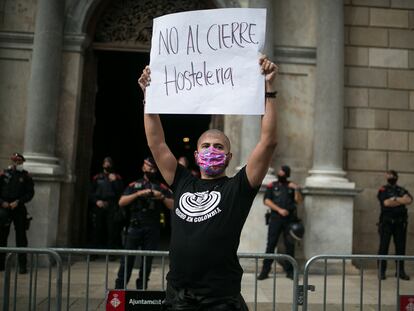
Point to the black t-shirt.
(206, 224)
(145, 211)
(389, 191)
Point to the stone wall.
(379, 107)
(16, 27)
(17, 15)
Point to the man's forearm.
(298, 196)
(128, 199)
(269, 124)
(392, 202)
(261, 156)
(406, 199)
(153, 130)
(269, 203)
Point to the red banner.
(115, 300)
(132, 300)
(406, 302)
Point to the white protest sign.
(206, 62)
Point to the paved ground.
(102, 277)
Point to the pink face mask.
(211, 161)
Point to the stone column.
(329, 195)
(41, 119)
(253, 238)
(250, 130)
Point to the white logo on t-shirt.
(199, 206)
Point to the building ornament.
(130, 21)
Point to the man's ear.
(228, 158)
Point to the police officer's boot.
(289, 274)
(22, 269)
(264, 274)
(402, 275)
(22, 258)
(382, 267)
(119, 284)
(140, 285)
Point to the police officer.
(107, 224)
(393, 221)
(281, 197)
(16, 189)
(143, 200)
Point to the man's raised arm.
(259, 160)
(162, 154)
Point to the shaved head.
(216, 134)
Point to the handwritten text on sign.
(206, 62)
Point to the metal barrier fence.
(33, 253)
(338, 263)
(77, 296)
(81, 284)
(88, 255)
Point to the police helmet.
(296, 230)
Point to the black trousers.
(107, 230)
(192, 300)
(18, 218)
(278, 226)
(395, 227)
(146, 238)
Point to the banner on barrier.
(406, 302)
(131, 300)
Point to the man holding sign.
(205, 62)
(209, 213)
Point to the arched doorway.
(111, 116)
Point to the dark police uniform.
(106, 221)
(143, 229)
(284, 197)
(392, 223)
(15, 185)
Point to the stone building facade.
(379, 98)
(346, 102)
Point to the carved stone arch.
(127, 24)
(80, 12)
